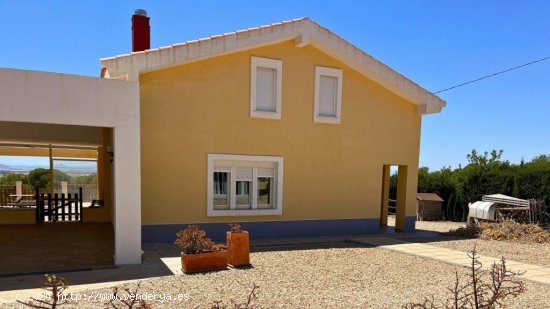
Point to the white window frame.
(338, 73)
(254, 211)
(230, 172)
(271, 64)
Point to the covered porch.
(66, 118)
(69, 180)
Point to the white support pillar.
(385, 195)
(127, 195)
(64, 187)
(19, 188)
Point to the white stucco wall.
(52, 98)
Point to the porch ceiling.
(34, 151)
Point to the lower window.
(244, 185)
(221, 190)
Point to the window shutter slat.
(328, 90)
(222, 169)
(243, 173)
(266, 172)
(266, 85)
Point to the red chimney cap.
(140, 12)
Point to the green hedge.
(485, 173)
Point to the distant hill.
(76, 169)
(71, 169)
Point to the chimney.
(141, 39)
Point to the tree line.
(485, 173)
(39, 178)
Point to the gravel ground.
(436, 226)
(531, 253)
(340, 276)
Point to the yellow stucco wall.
(330, 171)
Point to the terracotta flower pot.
(205, 261)
(238, 249)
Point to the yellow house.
(286, 128)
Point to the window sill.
(266, 115)
(325, 119)
(244, 212)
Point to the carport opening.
(55, 197)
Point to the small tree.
(128, 298)
(39, 178)
(248, 304)
(55, 297)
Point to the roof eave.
(304, 31)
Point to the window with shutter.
(265, 188)
(221, 188)
(265, 88)
(266, 84)
(240, 185)
(328, 86)
(243, 185)
(328, 95)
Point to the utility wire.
(491, 75)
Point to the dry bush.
(55, 286)
(469, 231)
(128, 298)
(248, 304)
(477, 292)
(510, 230)
(193, 240)
(235, 227)
(507, 230)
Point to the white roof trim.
(304, 31)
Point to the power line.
(491, 75)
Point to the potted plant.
(238, 246)
(200, 253)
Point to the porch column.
(127, 194)
(385, 195)
(401, 198)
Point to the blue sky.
(435, 43)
